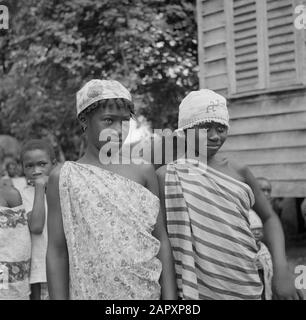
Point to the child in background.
(11, 172)
(13, 178)
(265, 186)
(15, 247)
(264, 259)
(38, 159)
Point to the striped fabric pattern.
(208, 225)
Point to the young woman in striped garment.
(207, 200)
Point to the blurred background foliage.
(53, 47)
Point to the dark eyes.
(41, 164)
(108, 121)
(220, 128)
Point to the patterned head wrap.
(96, 90)
(202, 106)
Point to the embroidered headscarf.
(96, 90)
(202, 106)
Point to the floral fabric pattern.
(108, 220)
(11, 218)
(17, 271)
(15, 254)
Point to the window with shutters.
(264, 51)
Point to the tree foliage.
(53, 47)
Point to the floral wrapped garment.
(108, 220)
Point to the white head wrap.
(202, 106)
(255, 221)
(96, 90)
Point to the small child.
(38, 159)
(15, 247)
(264, 259)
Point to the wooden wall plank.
(269, 156)
(284, 122)
(296, 172)
(289, 189)
(266, 141)
(279, 105)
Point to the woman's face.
(216, 136)
(108, 124)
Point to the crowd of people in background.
(198, 229)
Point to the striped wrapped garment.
(208, 224)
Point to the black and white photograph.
(152, 151)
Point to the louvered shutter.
(264, 50)
(245, 38)
(281, 43)
(212, 45)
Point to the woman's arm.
(168, 276)
(37, 217)
(57, 253)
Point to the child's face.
(266, 188)
(12, 169)
(258, 233)
(109, 121)
(36, 163)
(216, 136)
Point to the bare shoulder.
(11, 195)
(8, 190)
(241, 169)
(4, 181)
(55, 173)
(161, 172)
(147, 170)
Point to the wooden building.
(251, 52)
